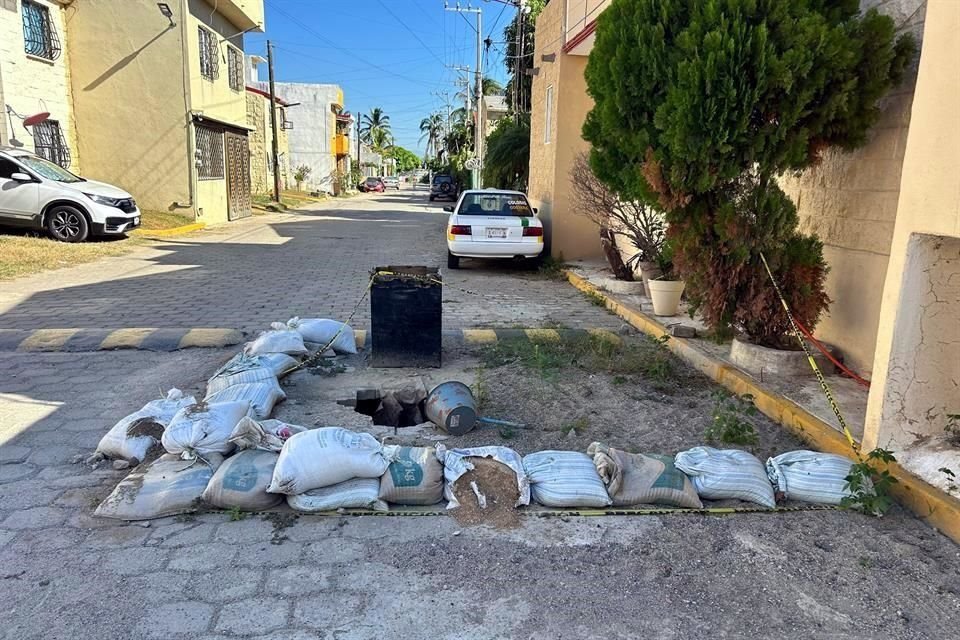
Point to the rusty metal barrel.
(451, 407)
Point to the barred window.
(39, 37)
(235, 67)
(48, 142)
(209, 152)
(209, 54)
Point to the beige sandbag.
(414, 477)
(635, 478)
(241, 482)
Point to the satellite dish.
(36, 118)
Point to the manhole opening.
(402, 408)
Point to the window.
(8, 168)
(48, 142)
(49, 170)
(499, 204)
(209, 152)
(209, 54)
(548, 119)
(39, 37)
(235, 68)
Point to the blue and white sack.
(262, 396)
(811, 476)
(456, 462)
(240, 369)
(358, 493)
(564, 479)
(724, 474)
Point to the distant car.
(443, 186)
(492, 223)
(39, 194)
(391, 182)
(372, 185)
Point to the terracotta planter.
(666, 296)
(648, 271)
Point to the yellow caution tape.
(619, 511)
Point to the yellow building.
(160, 102)
(888, 214)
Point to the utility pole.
(273, 125)
(359, 166)
(477, 132)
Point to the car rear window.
(439, 179)
(495, 204)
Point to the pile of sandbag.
(132, 438)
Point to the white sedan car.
(491, 223)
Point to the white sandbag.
(322, 331)
(636, 478)
(564, 479)
(241, 482)
(283, 340)
(266, 435)
(262, 396)
(166, 487)
(414, 477)
(726, 474)
(359, 493)
(280, 363)
(133, 436)
(327, 456)
(239, 370)
(202, 429)
(456, 463)
(811, 476)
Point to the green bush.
(700, 104)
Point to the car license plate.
(496, 232)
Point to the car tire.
(534, 263)
(453, 262)
(67, 224)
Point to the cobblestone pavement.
(310, 262)
(66, 575)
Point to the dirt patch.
(496, 504)
(145, 427)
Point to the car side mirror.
(448, 208)
(535, 211)
(21, 177)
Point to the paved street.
(310, 262)
(66, 575)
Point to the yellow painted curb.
(543, 334)
(937, 508)
(175, 231)
(479, 336)
(126, 338)
(46, 339)
(210, 338)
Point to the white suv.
(39, 194)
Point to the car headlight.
(104, 200)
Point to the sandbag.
(636, 478)
(327, 456)
(277, 340)
(166, 487)
(564, 479)
(359, 493)
(726, 474)
(280, 363)
(241, 482)
(266, 435)
(414, 477)
(133, 436)
(322, 331)
(202, 429)
(456, 462)
(261, 396)
(239, 370)
(811, 476)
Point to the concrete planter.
(666, 296)
(623, 287)
(764, 360)
(648, 271)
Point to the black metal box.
(406, 314)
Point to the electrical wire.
(409, 30)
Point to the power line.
(410, 31)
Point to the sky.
(392, 54)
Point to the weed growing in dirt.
(619, 380)
(731, 423)
(552, 269)
(595, 298)
(236, 515)
(873, 501)
(658, 367)
(578, 426)
(953, 428)
(479, 389)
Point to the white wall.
(313, 129)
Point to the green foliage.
(301, 174)
(553, 269)
(869, 485)
(700, 104)
(236, 514)
(375, 130)
(731, 419)
(659, 367)
(507, 160)
(406, 160)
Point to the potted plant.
(665, 290)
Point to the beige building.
(888, 213)
(261, 142)
(494, 109)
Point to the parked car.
(493, 223)
(372, 185)
(391, 182)
(443, 186)
(38, 194)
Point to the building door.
(238, 175)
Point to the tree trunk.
(609, 243)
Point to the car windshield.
(495, 204)
(373, 180)
(48, 169)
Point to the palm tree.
(375, 129)
(490, 88)
(432, 129)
